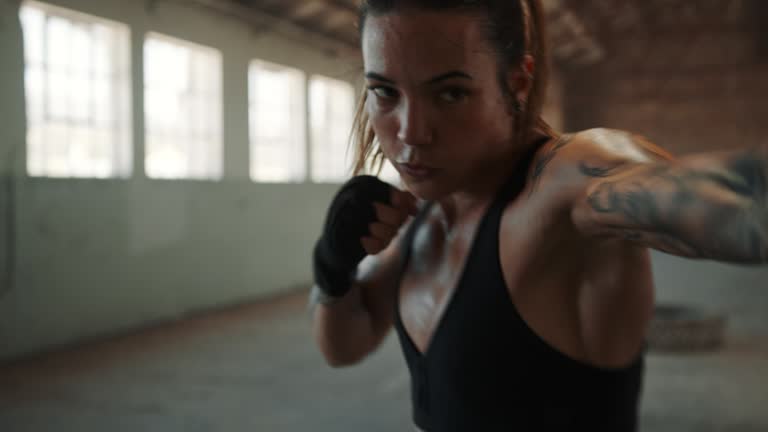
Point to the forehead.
(417, 44)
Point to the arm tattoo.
(596, 171)
(749, 177)
(541, 163)
(720, 212)
(545, 159)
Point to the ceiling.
(582, 32)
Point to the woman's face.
(434, 99)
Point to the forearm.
(704, 206)
(343, 329)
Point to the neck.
(478, 195)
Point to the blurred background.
(166, 165)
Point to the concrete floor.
(255, 368)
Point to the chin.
(428, 190)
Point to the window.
(277, 117)
(77, 83)
(182, 109)
(332, 106)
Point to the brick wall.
(705, 93)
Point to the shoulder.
(591, 153)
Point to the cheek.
(493, 122)
(385, 129)
(503, 116)
(472, 129)
(482, 115)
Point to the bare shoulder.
(618, 145)
(590, 153)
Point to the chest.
(461, 275)
(532, 274)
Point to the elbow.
(339, 353)
(338, 363)
(341, 360)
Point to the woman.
(522, 289)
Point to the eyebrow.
(449, 75)
(433, 80)
(377, 77)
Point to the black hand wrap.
(339, 251)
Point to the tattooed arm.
(709, 206)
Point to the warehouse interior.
(142, 288)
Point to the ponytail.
(536, 46)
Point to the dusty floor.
(255, 368)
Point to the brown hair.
(515, 28)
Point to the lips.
(417, 171)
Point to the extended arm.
(709, 206)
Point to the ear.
(520, 79)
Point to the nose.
(415, 129)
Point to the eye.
(383, 92)
(453, 95)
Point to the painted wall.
(90, 258)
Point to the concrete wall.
(712, 97)
(98, 257)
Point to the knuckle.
(377, 208)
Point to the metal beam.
(267, 21)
